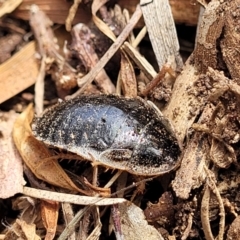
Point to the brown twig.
(165, 69)
(111, 51)
(82, 44)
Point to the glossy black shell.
(120, 133)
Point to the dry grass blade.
(97, 4)
(205, 214)
(211, 183)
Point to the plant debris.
(127, 56)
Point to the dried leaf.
(128, 78)
(49, 211)
(133, 224)
(11, 170)
(97, 4)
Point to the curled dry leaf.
(134, 225)
(49, 211)
(22, 230)
(11, 170)
(99, 23)
(71, 14)
(37, 156)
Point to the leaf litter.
(200, 101)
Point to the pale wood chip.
(19, 72)
(161, 29)
(70, 198)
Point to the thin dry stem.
(39, 88)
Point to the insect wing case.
(120, 133)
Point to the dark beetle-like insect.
(117, 132)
